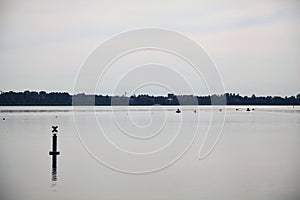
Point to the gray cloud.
(254, 44)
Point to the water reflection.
(54, 170)
(54, 174)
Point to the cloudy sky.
(255, 45)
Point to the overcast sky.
(254, 44)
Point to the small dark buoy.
(220, 110)
(55, 116)
(248, 109)
(3, 118)
(253, 109)
(236, 109)
(195, 111)
(178, 111)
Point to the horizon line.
(148, 94)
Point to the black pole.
(54, 161)
(54, 153)
(54, 143)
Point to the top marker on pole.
(54, 129)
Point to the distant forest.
(31, 98)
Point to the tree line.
(33, 98)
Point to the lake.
(151, 152)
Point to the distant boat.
(178, 111)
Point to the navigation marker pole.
(54, 153)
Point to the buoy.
(248, 109)
(3, 118)
(178, 111)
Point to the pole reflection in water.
(54, 174)
(54, 153)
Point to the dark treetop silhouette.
(30, 98)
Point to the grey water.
(151, 152)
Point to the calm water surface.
(106, 153)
